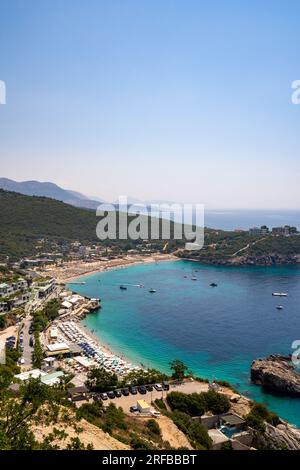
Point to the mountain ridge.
(50, 190)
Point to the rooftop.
(217, 436)
(143, 404)
(231, 419)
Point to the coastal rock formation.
(247, 260)
(264, 259)
(282, 437)
(276, 374)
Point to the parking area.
(131, 400)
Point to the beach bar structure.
(78, 393)
(143, 407)
(63, 349)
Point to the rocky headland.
(277, 375)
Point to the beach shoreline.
(83, 269)
(73, 270)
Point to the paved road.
(27, 353)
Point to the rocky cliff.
(276, 374)
(282, 437)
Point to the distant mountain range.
(50, 190)
(74, 198)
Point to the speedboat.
(194, 278)
(279, 307)
(152, 291)
(279, 294)
(123, 287)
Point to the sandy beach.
(71, 270)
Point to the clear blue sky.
(179, 100)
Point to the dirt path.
(172, 434)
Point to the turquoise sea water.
(217, 331)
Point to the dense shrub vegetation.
(258, 415)
(195, 404)
(41, 318)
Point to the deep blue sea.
(244, 219)
(217, 331)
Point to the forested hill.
(25, 219)
(240, 248)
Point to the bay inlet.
(216, 331)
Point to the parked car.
(133, 409)
(97, 398)
(11, 338)
(111, 394)
(30, 331)
(125, 392)
(118, 393)
(149, 388)
(142, 389)
(166, 385)
(158, 387)
(103, 396)
(133, 390)
(31, 341)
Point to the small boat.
(194, 278)
(213, 284)
(185, 276)
(279, 307)
(123, 287)
(279, 294)
(152, 291)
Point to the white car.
(22, 360)
(158, 387)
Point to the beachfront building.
(78, 393)
(3, 289)
(62, 349)
(285, 231)
(47, 379)
(46, 289)
(259, 231)
(143, 407)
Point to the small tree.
(178, 368)
(153, 427)
(101, 380)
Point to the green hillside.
(24, 219)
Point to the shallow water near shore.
(216, 331)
